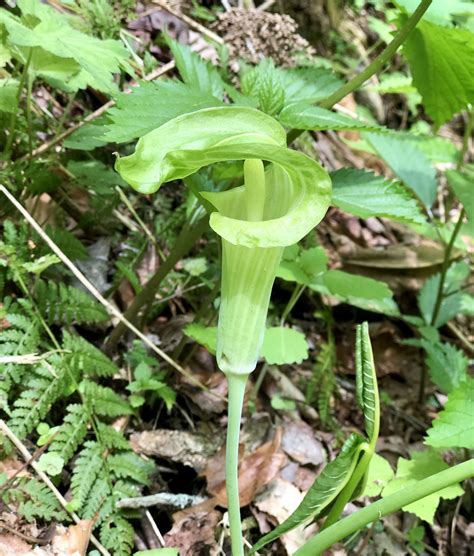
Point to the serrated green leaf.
(454, 426)
(49, 30)
(195, 71)
(264, 84)
(447, 365)
(409, 472)
(442, 64)
(366, 382)
(283, 346)
(366, 195)
(323, 492)
(304, 267)
(151, 105)
(305, 116)
(409, 163)
(309, 84)
(379, 474)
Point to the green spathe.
(276, 207)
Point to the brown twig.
(189, 21)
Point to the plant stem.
(237, 385)
(440, 293)
(14, 116)
(445, 267)
(184, 243)
(373, 67)
(325, 539)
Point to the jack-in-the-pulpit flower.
(275, 207)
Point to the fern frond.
(67, 242)
(34, 500)
(129, 465)
(103, 400)
(71, 433)
(62, 304)
(98, 495)
(87, 468)
(110, 438)
(40, 392)
(86, 359)
(116, 534)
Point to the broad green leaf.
(195, 71)
(304, 267)
(300, 188)
(379, 474)
(283, 346)
(151, 105)
(313, 261)
(366, 383)
(467, 304)
(359, 291)
(5, 55)
(280, 346)
(442, 64)
(409, 472)
(8, 95)
(305, 116)
(204, 335)
(89, 136)
(463, 185)
(282, 404)
(345, 285)
(365, 194)
(409, 163)
(454, 426)
(440, 11)
(49, 30)
(394, 82)
(324, 490)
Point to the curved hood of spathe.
(298, 189)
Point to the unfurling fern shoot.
(275, 207)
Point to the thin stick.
(97, 113)
(94, 291)
(189, 21)
(154, 526)
(28, 457)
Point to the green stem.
(445, 267)
(373, 67)
(14, 116)
(237, 385)
(358, 520)
(297, 293)
(184, 243)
